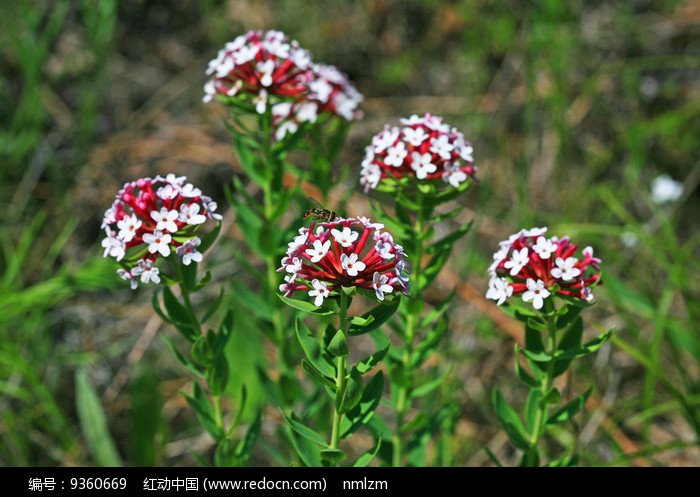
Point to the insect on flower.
(319, 213)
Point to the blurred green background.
(573, 108)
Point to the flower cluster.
(327, 255)
(534, 266)
(424, 148)
(160, 214)
(271, 70)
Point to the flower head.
(424, 148)
(268, 70)
(536, 267)
(345, 252)
(155, 217)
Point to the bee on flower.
(156, 218)
(536, 267)
(424, 148)
(344, 252)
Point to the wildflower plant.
(550, 284)
(155, 219)
(423, 164)
(280, 101)
(332, 262)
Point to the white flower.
(442, 147)
(385, 139)
(370, 176)
(534, 232)
(414, 136)
(126, 275)
(422, 164)
(565, 269)
(535, 292)
(190, 191)
(211, 207)
(351, 265)
(320, 89)
(167, 192)
(665, 189)
(367, 222)
(147, 270)
(518, 260)
(320, 291)
(127, 227)
(380, 285)
(499, 289)
(285, 128)
(294, 267)
(307, 112)
(319, 250)
(544, 247)
(113, 246)
(266, 68)
(188, 251)
(396, 155)
(466, 152)
(453, 174)
(190, 214)
(384, 250)
(345, 238)
(260, 102)
(165, 219)
(158, 242)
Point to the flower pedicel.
(531, 265)
(423, 148)
(161, 215)
(327, 255)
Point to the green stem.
(543, 408)
(403, 403)
(340, 375)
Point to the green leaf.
(305, 306)
(220, 339)
(509, 421)
(333, 456)
(181, 358)
(93, 422)
(566, 318)
(312, 371)
(249, 162)
(199, 403)
(376, 317)
(218, 374)
(572, 336)
(531, 458)
(372, 361)
(493, 457)
(213, 307)
(352, 393)
(304, 430)
(447, 241)
(203, 282)
(522, 374)
(225, 455)
(429, 386)
(552, 397)
(245, 446)
(202, 352)
(434, 266)
(586, 348)
(366, 458)
(339, 345)
(532, 407)
(568, 411)
(313, 351)
(179, 315)
(426, 348)
(360, 415)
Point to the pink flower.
(530, 265)
(345, 252)
(154, 217)
(423, 148)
